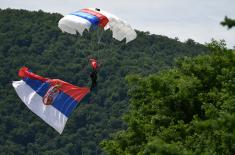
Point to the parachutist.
(93, 74)
(97, 9)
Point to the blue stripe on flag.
(63, 102)
(40, 87)
(91, 18)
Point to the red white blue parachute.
(91, 17)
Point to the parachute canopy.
(93, 17)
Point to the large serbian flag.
(51, 99)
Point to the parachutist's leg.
(91, 87)
(93, 84)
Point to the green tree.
(186, 110)
(228, 22)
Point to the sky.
(195, 19)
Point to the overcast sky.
(195, 19)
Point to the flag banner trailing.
(53, 100)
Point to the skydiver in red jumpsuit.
(95, 66)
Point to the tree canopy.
(189, 109)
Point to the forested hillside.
(33, 39)
(189, 109)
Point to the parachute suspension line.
(92, 47)
(122, 44)
(112, 44)
(96, 42)
(77, 36)
(99, 34)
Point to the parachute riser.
(95, 45)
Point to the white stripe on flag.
(34, 102)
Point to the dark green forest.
(173, 104)
(189, 109)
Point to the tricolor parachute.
(87, 18)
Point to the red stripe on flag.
(77, 93)
(24, 73)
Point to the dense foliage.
(228, 22)
(189, 109)
(34, 40)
